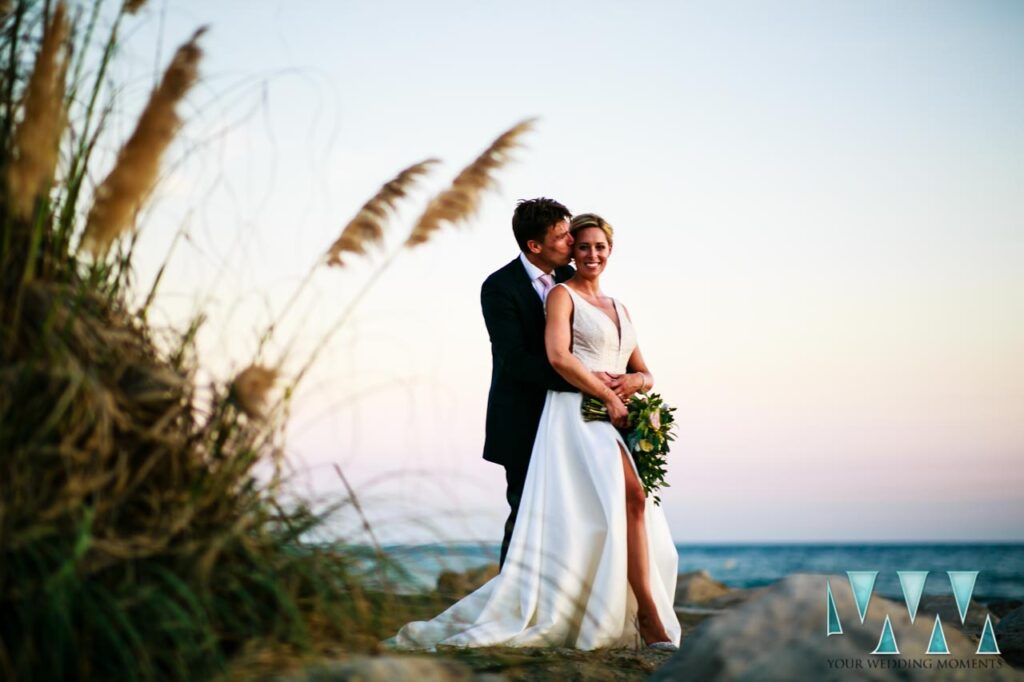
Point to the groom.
(512, 299)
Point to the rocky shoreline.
(775, 632)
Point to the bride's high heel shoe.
(659, 645)
(663, 646)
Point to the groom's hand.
(617, 412)
(626, 385)
(605, 378)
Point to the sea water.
(1000, 566)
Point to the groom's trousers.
(515, 479)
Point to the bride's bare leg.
(638, 567)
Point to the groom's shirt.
(535, 274)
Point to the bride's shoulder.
(560, 291)
(560, 296)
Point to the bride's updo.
(585, 220)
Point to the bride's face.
(590, 250)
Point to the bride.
(591, 561)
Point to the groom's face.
(556, 249)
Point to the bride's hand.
(617, 412)
(626, 385)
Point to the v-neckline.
(617, 322)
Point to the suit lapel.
(525, 290)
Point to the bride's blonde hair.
(585, 220)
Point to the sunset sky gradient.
(819, 236)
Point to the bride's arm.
(558, 340)
(508, 342)
(639, 378)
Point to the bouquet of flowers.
(648, 435)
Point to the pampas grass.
(37, 136)
(137, 538)
(367, 227)
(461, 200)
(251, 387)
(455, 205)
(121, 194)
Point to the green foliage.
(136, 539)
(650, 430)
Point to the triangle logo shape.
(963, 588)
(887, 640)
(988, 644)
(862, 583)
(937, 643)
(912, 585)
(833, 627)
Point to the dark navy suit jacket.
(520, 372)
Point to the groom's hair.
(533, 217)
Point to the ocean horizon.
(755, 564)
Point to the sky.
(819, 236)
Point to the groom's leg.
(515, 477)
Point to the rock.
(689, 618)
(698, 586)
(1010, 636)
(734, 598)
(458, 585)
(945, 606)
(1001, 607)
(780, 635)
(389, 668)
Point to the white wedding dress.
(564, 579)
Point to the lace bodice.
(595, 340)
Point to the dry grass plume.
(367, 227)
(251, 387)
(133, 6)
(139, 537)
(122, 193)
(460, 202)
(37, 137)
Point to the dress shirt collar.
(532, 270)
